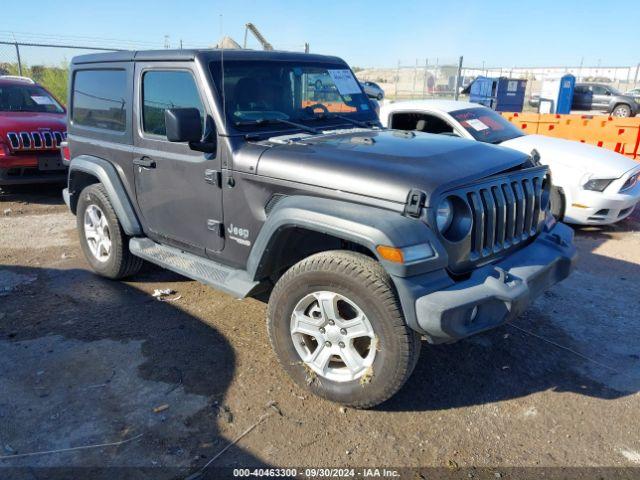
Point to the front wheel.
(621, 110)
(336, 326)
(103, 242)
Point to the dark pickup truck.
(226, 167)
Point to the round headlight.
(444, 215)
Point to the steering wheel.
(311, 109)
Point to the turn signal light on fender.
(414, 253)
(391, 254)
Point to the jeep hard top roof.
(202, 54)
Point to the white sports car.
(594, 186)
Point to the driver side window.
(167, 89)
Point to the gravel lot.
(87, 361)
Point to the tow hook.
(558, 239)
(503, 276)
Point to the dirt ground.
(86, 361)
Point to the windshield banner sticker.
(477, 125)
(344, 81)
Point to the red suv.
(32, 127)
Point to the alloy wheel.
(96, 232)
(333, 336)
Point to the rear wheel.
(335, 323)
(621, 110)
(103, 242)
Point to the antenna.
(224, 97)
(222, 89)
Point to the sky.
(368, 33)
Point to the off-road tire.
(557, 203)
(121, 263)
(363, 280)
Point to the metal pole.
(424, 82)
(415, 78)
(635, 79)
(397, 79)
(19, 61)
(59, 45)
(456, 94)
(306, 47)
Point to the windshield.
(27, 98)
(260, 94)
(485, 125)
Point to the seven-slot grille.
(504, 213)
(36, 140)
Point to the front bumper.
(596, 208)
(499, 292)
(26, 169)
(26, 176)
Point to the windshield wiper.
(266, 121)
(357, 123)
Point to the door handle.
(145, 162)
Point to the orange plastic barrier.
(621, 135)
(333, 107)
(525, 121)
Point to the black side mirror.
(185, 125)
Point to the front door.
(581, 98)
(176, 187)
(601, 97)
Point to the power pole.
(166, 41)
(20, 61)
(456, 94)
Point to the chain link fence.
(48, 63)
(45, 64)
(445, 78)
(430, 78)
(436, 78)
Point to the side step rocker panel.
(230, 280)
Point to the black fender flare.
(364, 225)
(367, 226)
(105, 172)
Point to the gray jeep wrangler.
(230, 168)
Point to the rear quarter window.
(100, 99)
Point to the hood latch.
(415, 202)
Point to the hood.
(386, 164)
(599, 161)
(31, 121)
